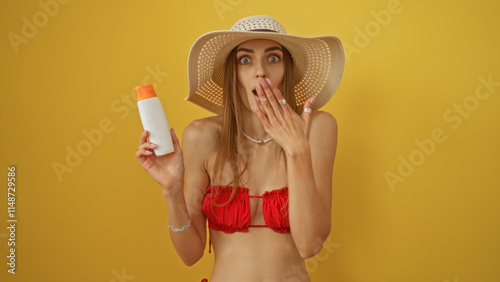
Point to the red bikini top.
(235, 215)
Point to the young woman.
(260, 171)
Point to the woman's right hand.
(167, 170)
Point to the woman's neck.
(252, 126)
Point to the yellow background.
(106, 217)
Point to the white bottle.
(154, 119)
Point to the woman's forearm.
(308, 224)
(187, 243)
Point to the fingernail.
(313, 99)
(254, 104)
(154, 145)
(268, 81)
(259, 87)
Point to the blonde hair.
(229, 146)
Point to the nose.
(260, 70)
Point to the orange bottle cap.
(144, 92)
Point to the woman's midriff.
(257, 255)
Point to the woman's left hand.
(280, 121)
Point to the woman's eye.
(274, 59)
(244, 60)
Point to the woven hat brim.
(318, 65)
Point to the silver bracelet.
(179, 229)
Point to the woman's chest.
(259, 171)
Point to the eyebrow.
(265, 51)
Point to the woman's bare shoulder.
(323, 119)
(205, 130)
(323, 126)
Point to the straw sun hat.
(318, 62)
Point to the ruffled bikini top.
(235, 215)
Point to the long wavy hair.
(229, 147)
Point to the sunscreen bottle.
(154, 119)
